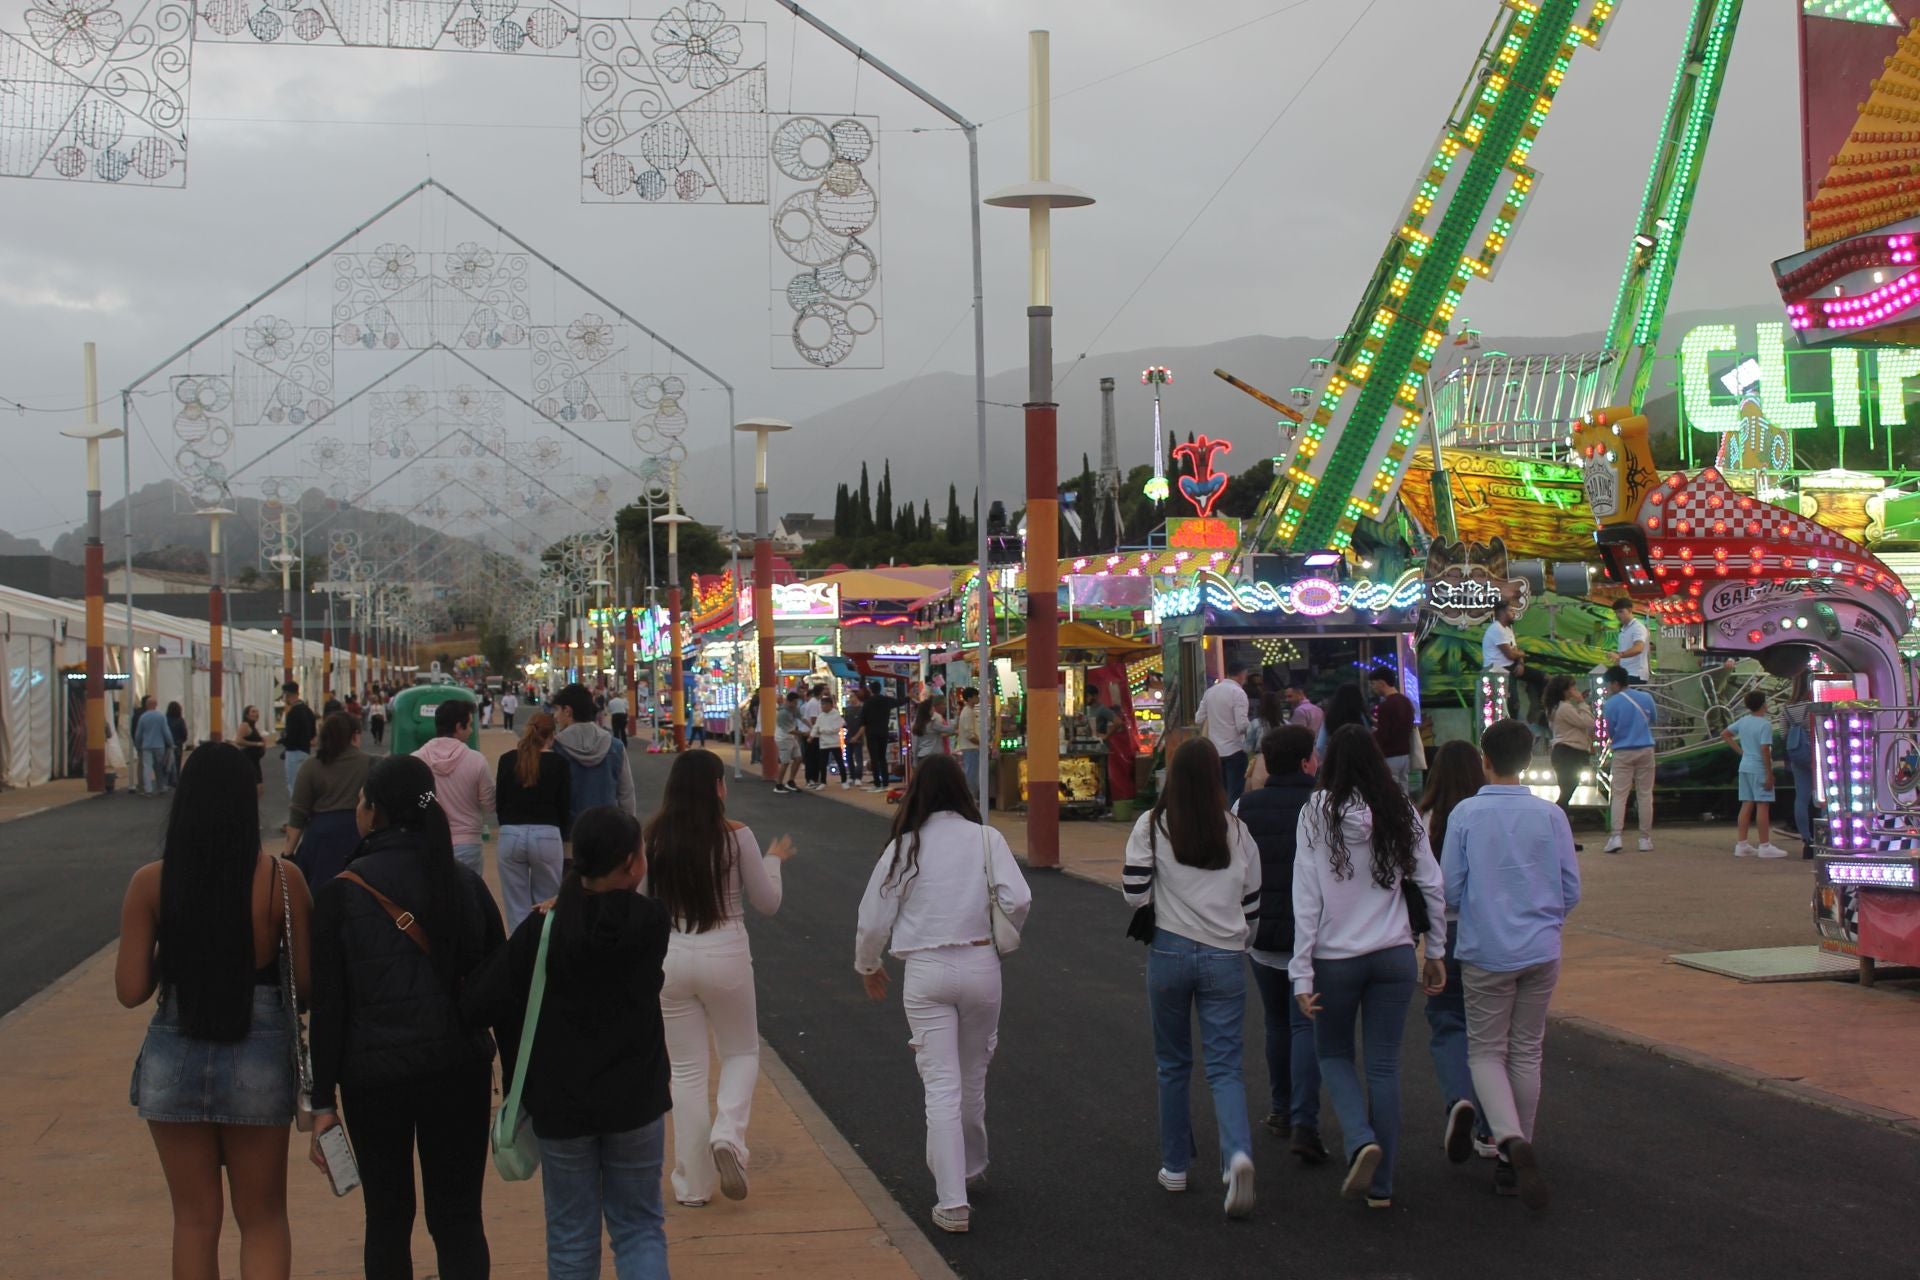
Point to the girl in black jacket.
(387, 1027)
(597, 1085)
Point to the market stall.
(1099, 734)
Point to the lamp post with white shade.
(93, 431)
(763, 586)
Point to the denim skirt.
(180, 1080)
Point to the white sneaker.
(1612, 845)
(1646, 844)
(733, 1174)
(958, 1221)
(1770, 850)
(846, 786)
(1239, 1180)
(1173, 1181)
(1742, 849)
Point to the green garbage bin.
(410, 725)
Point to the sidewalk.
(1833, 1043)
(24, 802)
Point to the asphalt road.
(1658, 1170)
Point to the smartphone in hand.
(343, 1171)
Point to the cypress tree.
(863, 513)
(926, 521)
(840, 510)
(883, 500)
(954, 531)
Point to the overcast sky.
(292, 147)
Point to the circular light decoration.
(1316, 597)
(1156, 488)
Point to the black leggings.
(446, 1116)
(1567, 764)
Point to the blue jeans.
(294, 760)
(530, 862)
(1374, 990)
(1803, 799)
(970, 761)
(1447, 1038)
(154, 758)
(1293, 1073)
(610, 1175)
(470, 857)
(1182, 976)
(1233, 775)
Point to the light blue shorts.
(1755, 787)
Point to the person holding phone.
(1361, 842)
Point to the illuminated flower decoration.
(75, 32)
(393, 266)
(696, 44)
(269, 338)
(470, 266)
(590, 338)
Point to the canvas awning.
(1080, 637)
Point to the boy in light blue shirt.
(1629, 714)
(1751, 737)
(1511, 874)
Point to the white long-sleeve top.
(1223, 715)
(755, 878)
(1338, 919)
(1214, 908)
(944, 902)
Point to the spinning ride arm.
(1457, 224)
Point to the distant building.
(156, 582)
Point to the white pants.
(952, 995)
(709, 983)
(1506, 1034)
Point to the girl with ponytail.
(395, 936)
(597, 1087)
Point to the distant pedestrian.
(966, 731)
(1393, 723)
(1512, 876)
(533, 797)
(928, 902)
(1345, 705)
(154, 742)
(597, 760)
(1223, 716)
(377, 718)
(1302, 711)
(180, 734)
(1633, 650)
(1570, 722)
(1751, 737)
(322, 831)
(1500, 653)
(212, 927)
(788, 725)
(298, 727)
(1629, 714)
(811, 755)
(1272, 814)
(253, 744)
(394, 938)
(509, 705)
(1457, 773)
(827, 729)
(617, 715)
(1269, 713)
(931, 730)
(596, 1090)
(486, 711)
(1798, 720)
(877, 728)
(1360, 843)
(463, 784)
(1200, 869)
(705, 869)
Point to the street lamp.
(1039, 196)
(216, 607)
(93, 431)
(763, 585)
(673, 520)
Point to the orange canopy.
(1080, 637)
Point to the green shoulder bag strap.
(516, 1150)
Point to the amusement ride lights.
(1157, 488)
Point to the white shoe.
(1612, 845)
(733, 1174)
(1742, 849)
(846, 786)
(1173, 1181)
(1239, 1180)
(954, 1220)
(1646, 844)
(1770, 850)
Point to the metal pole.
(216, 606)
(678, 676)
(92, 433)
(733, 506)
(126, 549)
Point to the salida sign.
(1465, 580)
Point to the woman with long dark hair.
(1455, 773)
(1360, 839)
(178, 733)
(533, 798)
(597, 1087)
(931, 729)
(1199, 868)
(322, 831)
(1347, 705)
(1570, 721)
(209, 927)
(394, 936)
(253, 744)
(927, 901)
(703, 867)
(1270, 713)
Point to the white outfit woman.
(938, 924)
(709, 984)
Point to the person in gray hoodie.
(597, 760)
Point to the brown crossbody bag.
(403, 919)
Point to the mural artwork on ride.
(1465, 580)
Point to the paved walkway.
(1831, 1042)
(84, 1195)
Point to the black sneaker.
(1306, 1144)
(1526, 1170)
(1459, 1141)
(1505, 1181)
(1276, 1123)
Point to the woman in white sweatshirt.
(1199, 868)
(701, 866)
(928, 895)
(1360, 846)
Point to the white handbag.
(1006, 936)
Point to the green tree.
(956, 533)
(840, 511)
(863, 506)
(883, 500)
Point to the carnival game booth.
(1303, 624)
(1094, 772)
(1740, 576)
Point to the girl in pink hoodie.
(462, 782)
